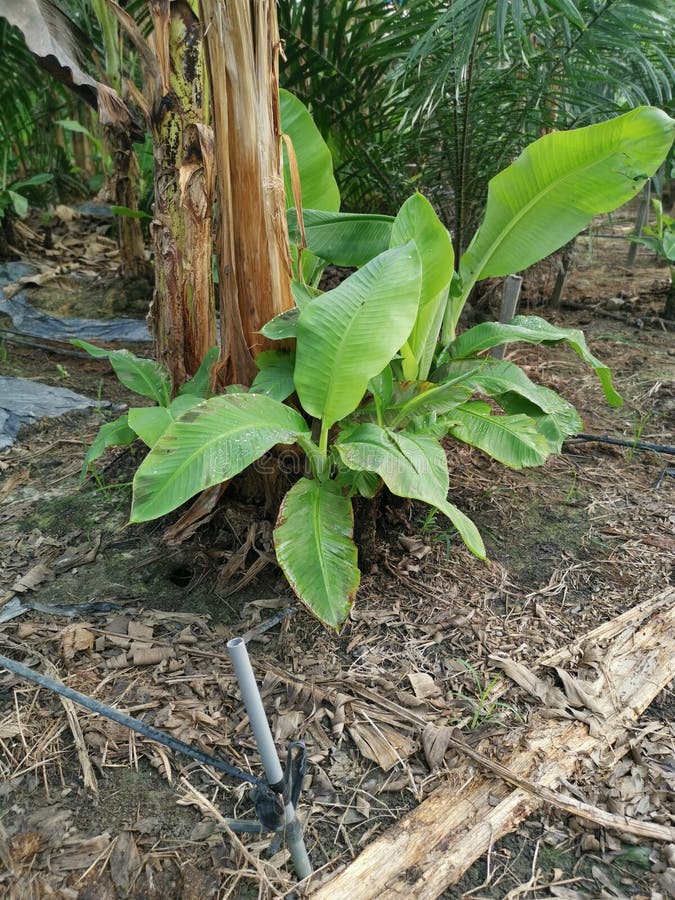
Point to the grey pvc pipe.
(510, 296)
(268, 752)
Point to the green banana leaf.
(315, 163)
(303, 293)
(668, 244)
(417, 221)
(411, 465)
(19, 203)
(367, 484)
(556, 186)
(343, 239)
(513, 440)
(381, 386)
(348, 335)
(532, 330)
(32, 180)
(200, 383)
(207, 445)
(314, 547)
(142, 376)
(415, 399)
(275, 378)
(150, 422)
(555, 427)
(318, 187)
(283, 326)
(500, 378)
(111, 434)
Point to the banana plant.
(377, 376)
(660, 239)
(151, 380)
(12, 197)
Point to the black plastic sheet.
(25, 402)
(33, 322)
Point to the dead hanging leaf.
(423, 685)
(54, 41)
(198, 514)
(76, 638)
(33, 577)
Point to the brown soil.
(572, 544)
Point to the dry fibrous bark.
(254, 263)
(182, 314)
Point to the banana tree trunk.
(669, 308)
(254, 264)
(123, 191)
(182, 314)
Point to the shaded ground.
(572, 544)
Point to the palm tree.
(337, 57)
(443, 95)
(486, 77)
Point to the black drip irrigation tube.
(621, 442)
(275, 797)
